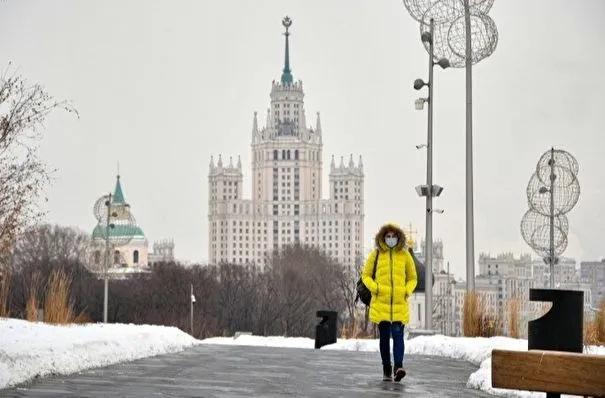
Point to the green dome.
(118, 230)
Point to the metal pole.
(449, 300)
(428, 256)
(106, 282)
(551, 251)
(470, 228)
(191, 305)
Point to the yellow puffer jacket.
(395, 279)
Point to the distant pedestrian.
(394, 282)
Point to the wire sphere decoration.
(122, 226)
(561, 158)
(552, 192)
(446, 11)
(566, 191)
(484, 41)
(100, 209)
(535, 229)
(121, 231)
(449, 36)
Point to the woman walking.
(394, 282)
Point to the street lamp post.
(192, 301)
(429, 190)
(470, 212)
(108, 225)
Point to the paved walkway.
(214, 371)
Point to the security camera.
(439, 211)
(419, 104)
(420, 146)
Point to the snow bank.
(32, 349)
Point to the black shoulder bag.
(363, 292)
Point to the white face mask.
(391, 241)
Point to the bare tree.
(46, 243)
(23, 176)
(348, 286)
(301, 281)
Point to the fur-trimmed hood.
(401, 238)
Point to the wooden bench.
(549, 371)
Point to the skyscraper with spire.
(286, 206)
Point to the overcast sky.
(163, 85)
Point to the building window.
(135, 257)
(275, 154)
(116, 257)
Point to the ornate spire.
(318, 124)
(255, 124)
(286, 76)
(118, 194)
(239, 162)
(268, 119)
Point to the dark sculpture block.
(326, 330)
(561, 328)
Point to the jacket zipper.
(392, 285)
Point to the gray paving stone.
(237, 371)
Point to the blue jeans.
(388, 329)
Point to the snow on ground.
(29, 350)
(475, 350)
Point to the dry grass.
(33, 291)
(513, 309)
(473, 310)
(58, 308)
(5, 283)
(355, 331)
(594, 330)
(600, 322)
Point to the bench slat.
(549, 371)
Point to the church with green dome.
(129, 248)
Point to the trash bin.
(561, 328)
(326, 329)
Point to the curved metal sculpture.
(115, 222)
(552, 192)
(450, 28)
(535, 229)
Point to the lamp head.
(418, 84)
(444, 63)
(426, 37)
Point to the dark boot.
(399, 372)
(387, 372)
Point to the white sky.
(163, 85)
